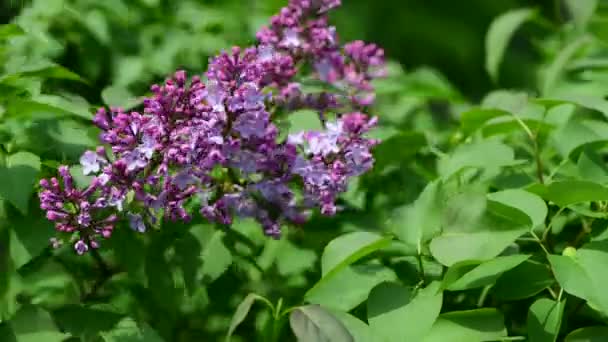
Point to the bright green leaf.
(556, 68)
(471, 326)
(565, 193)
(583, 274)
(545, 319)
(483, 274)
(500, 226)
(349, 287)
(499, 34)
(346, 249)
(395, 315)
(581, 11)
(313, 323)
(419, 222)
(116, 96)
(529, 203)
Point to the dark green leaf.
(525, 280)
(242, 310)
(589, 334)
(127, 330)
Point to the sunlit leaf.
(499, 34)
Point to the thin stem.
(585, 230)
(105, 273)
(552, 292)
(540, 242)
(421, 269)
(532, 136)
(550, 225)
(483, 296)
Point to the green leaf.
(304, 120)
(395, 315)
(85, 321)
(419, 222)
(472, 326)
(565, 193)
(346, 249)
(349, 287)
(474, 119)
(10, 30)
(486, 154)
(31, 237)
(545, 319)
(289, 258)
(576, 134)
(127, 330)
(33, 324)
(18, 177)
(9, 279)
(313, 323)
(529, 203)
(583, 275)
(526, 280)
(46, 70)
(50, 286)
(360, 331)
(116, 96)
(556, 68)
(242, 310)
(500, 226)
(461, 277)
(338, 255)
(499, 34)
(398, 148)
(590, 167)
(581, 11)
(588, 334)
(216, 257)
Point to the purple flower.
(81, 247)
(91, 162)
(136, 222)
(216, 142)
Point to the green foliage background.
(484, 219)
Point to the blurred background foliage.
(61, 59)
(130, 43)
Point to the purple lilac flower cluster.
(212, 141)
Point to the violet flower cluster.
(213, 142)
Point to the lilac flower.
(215, 141)
(81, 247)
(136, 222)
(91, 162)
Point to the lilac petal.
(137, 222)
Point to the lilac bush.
(213, 142)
